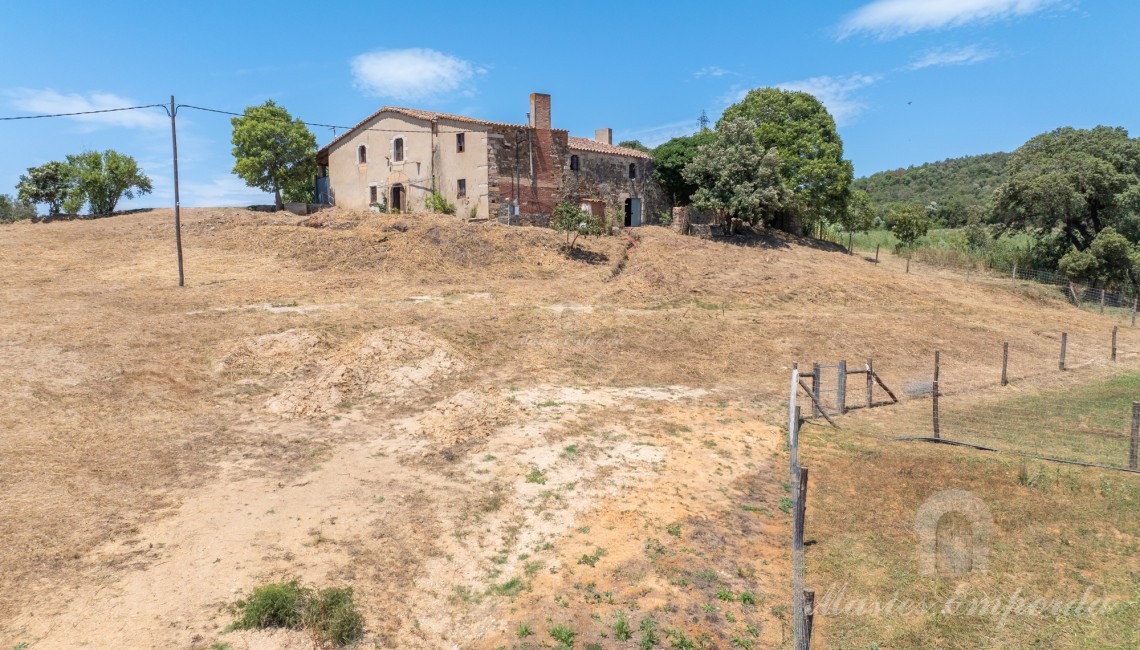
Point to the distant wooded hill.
(963, 182)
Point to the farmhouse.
(396, 157)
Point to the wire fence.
(1040, 410)
(1024, 403)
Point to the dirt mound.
(314, 378)
(281, 352)
(465, 416)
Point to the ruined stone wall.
(606, 177)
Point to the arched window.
(398, 150)
(632, 170)
(362, 155)
(573, 163)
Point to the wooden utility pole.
(937, 427)
(177, 215)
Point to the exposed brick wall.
(536, 183)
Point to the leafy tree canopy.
(1070, 184)
(13, 210)
(737, 176)
(634, 144)
(50, 183)
(798, 127)
(272, 151)
(910, 224)
(1110, 259)
(574, 222)
(860, 214)
(103, 178)
(669, 160)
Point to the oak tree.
(274, 152)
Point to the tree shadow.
(585, 255)
(772, 239)
(88, 217)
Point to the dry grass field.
(492, 444)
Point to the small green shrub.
(575, 222)
(333, 616)
(274, 605)
(330, 614)
(622, 631)
(649, 636)
(536, 476)
(524, 630)
(436, 202)
(563, 634)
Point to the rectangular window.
(372, 196)
(460, 143)
(461, 188)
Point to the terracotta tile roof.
(429, 116)
(585, 144)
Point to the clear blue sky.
(909, 81)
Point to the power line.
(208, 110)
(104, 110)
(327, 126)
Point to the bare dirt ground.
(471, 430)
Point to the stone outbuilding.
(396, 157)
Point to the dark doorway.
(397, 198)
(632, 213)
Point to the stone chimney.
(540, 110)
(605, 136)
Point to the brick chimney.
(540, 110)
(605, 136)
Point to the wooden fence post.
(1102, 301)
(876, 253)
(1004, 363)
(1064, 344)
(1114, 342)
(841, 392)
(870, 382)
(815, 379)
(1134, 300)
(798, 593)
(1135, 435)
(937, 428)
(809, 615)
(1013, 275)
(850, 250)
(794, 451)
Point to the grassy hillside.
(967, 181)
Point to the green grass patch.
(329, 614)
